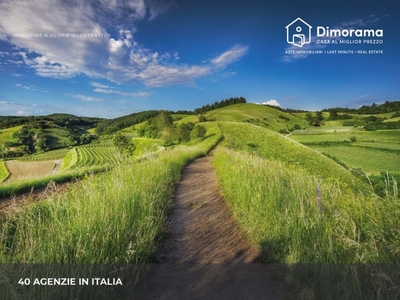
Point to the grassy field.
(320, 136)
(144, 145)
(270, 145)
(115, 217)
(91, 155)
(49, 155)
(94, 156)
(70, 160)
(287, 212)
(260, 115)
(3, 171)
(372, 151)
(370, 160)
(6, 134)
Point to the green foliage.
(113, 125)
(296, 127)
(386, 107)
(122, 143)
(182, 132)
(162, 120)
(202, 118)
(198, 131)
(3, 171)
(42, 122)
(395, 115)
(314, 120)
(156, 125)
(379, 125)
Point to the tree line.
(386, 107)
(222, 103)
(109, 126)
(58, 119)
(162, 126)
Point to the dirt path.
(205, 255)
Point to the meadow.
(144, 145)
(6, 134)
(373, 152)
(260, 115)
(371, 160)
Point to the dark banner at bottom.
(200, 281)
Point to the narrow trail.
(204, 254)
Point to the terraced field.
(92, 156)
(372, 151)
(50, 155)
(371, 160)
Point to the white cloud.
(110, 91)
(21, 113)
(99, 85)
(30, 88)
(272, 103)
(230, 56)
(118, 58)
(87, 98)
(15, 108)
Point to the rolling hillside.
(260, 115)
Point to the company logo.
(298, 33)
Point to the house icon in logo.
(298, 33)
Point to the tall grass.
(70, 159)
(115, 217)
(270, 145)
(3, 171)
(298, 218)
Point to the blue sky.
(134, 55)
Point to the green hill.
(260, 115)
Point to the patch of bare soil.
(22, 170)
(205, 255)
(201, 228)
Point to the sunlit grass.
(296, 217)
(3, 171)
